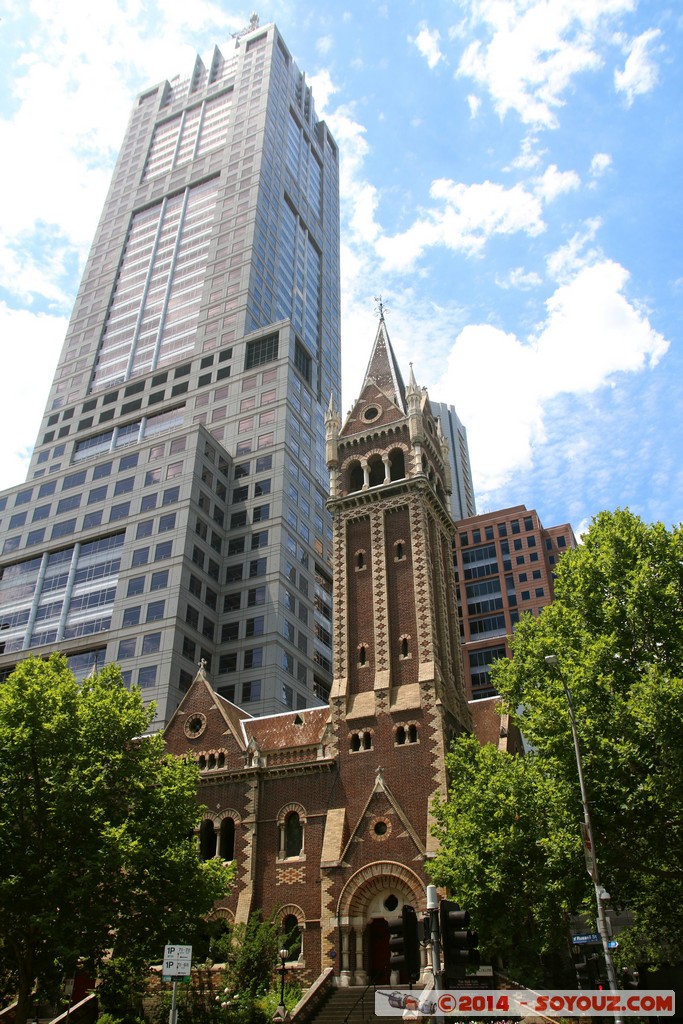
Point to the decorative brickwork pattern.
(289, 875)
(339, 600)
(423, 604)
(379, 582)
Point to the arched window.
(360, 559)
(291, 822)
(212, 760)
(400, 735)
(400, 554)
(362, 654)
(355, 741)
(227, 839)
(294, 835)
(397, 464)
(355, 477)
(291, 937)
(367, 741)
(412, 734)
(207, 839)
(405, 648)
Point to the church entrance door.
(378, 946)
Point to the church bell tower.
(398, 674)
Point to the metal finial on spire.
(380, 308)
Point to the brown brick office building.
(504, 565)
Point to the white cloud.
(427, 42)
(563, 264)
(474, 103)
(591, 333)
(599, 164)
(323, 90)
(28, 340)
(554, 183)
(640, 72)
(530, 156)
(468, 217)
(519, 278)
(324, 44)
(533, 50)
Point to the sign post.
(177, 967)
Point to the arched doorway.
(370, 899)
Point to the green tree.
(507, 852)
(616, 627)
(97, 857)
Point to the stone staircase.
(354, 1005)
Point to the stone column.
(345, 973)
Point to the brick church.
(326, 811)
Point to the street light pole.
(281, 1012)
(552, 661)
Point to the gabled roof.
(380, 787)
(202, 697)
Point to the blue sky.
(511, 186)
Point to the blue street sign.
(585, 940)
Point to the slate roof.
(303, 728)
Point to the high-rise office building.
(174, 509)
(462, 494)
(505, 566)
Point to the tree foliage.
(97, 855)
(507, 848)
(616, 627)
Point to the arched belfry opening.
(397, 464)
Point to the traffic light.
(458, 943)
(404, 944)
(582, 974)
(589, 974)
(595, 972)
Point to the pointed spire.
(332, 417)
(413, 389)
(383, 369)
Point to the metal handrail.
(361, 997)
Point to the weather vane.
(380, 308)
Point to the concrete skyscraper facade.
(462, 495)
(174, 509)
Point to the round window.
(381, 828)
(371, 413)
(195, 725)
(391, 902)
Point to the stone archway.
(375, 893)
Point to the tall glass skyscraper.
(174, 509)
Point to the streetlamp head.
(284, 953)
(551, 660)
